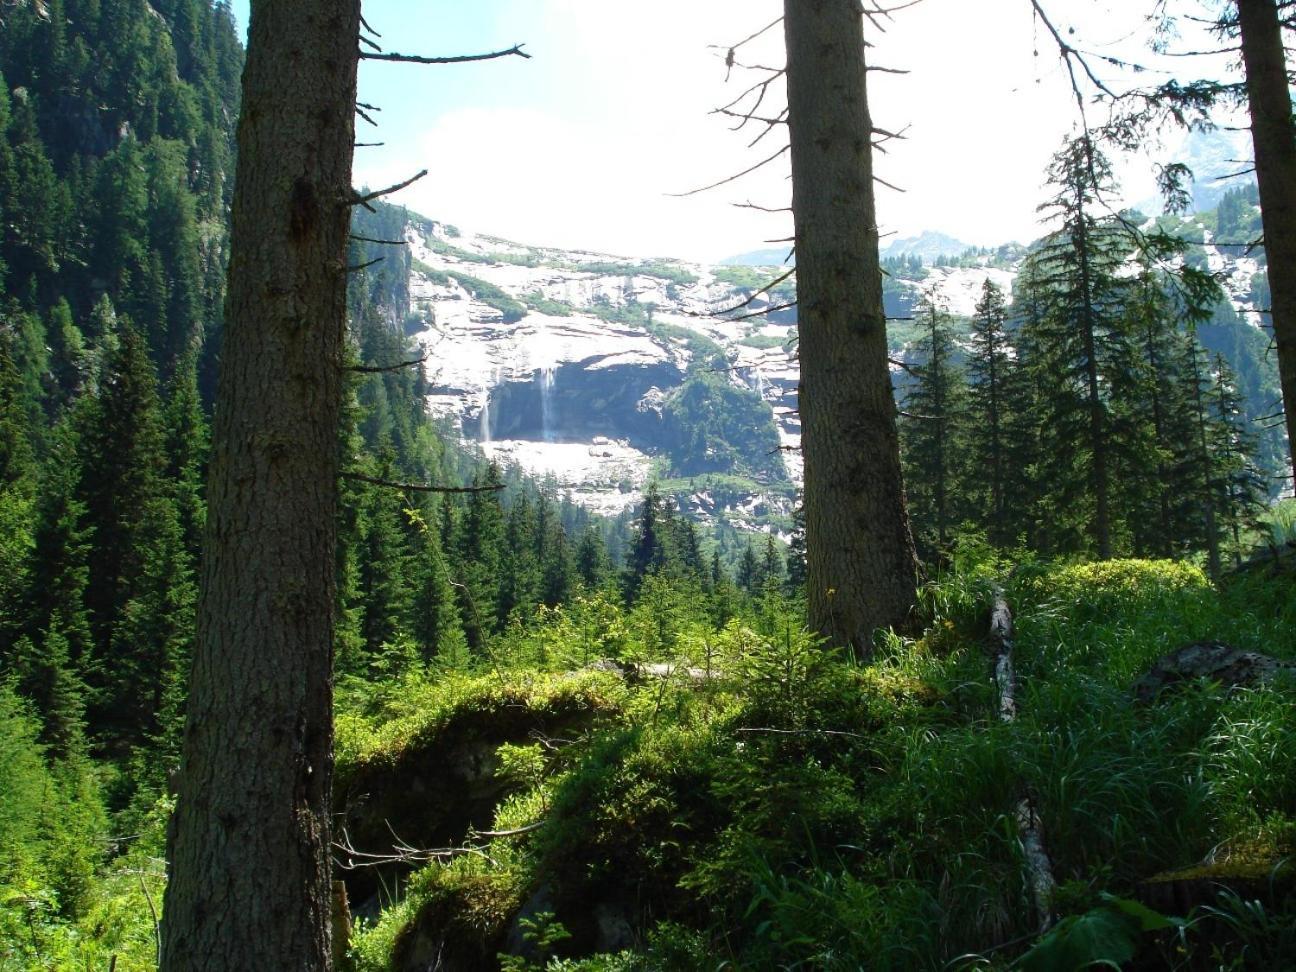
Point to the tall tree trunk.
(862, 570)
(250, 850)
(1273, 134)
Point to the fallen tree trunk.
(1030, 829)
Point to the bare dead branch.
(764, 30)
(1222, 50)
(760, 86)
(384, 369)
(749, 301)
(357, 267)
(370, 239)
(1068, 53)
(359, 200)
(761, 313)
(907, 368)
(514, 51)
(889, 135)
(420, 487)
(733, 178)
(763, 209)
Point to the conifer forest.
(378, 595)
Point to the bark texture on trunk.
(1273, 134)
(250, 854)
(861, 566)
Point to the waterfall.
(485, 419)
(546, 375)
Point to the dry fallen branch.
(403, 853)
(804, 732)
(1030, 829)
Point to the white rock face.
(604, 477)
(569, 382)
(958, 289)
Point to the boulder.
(1214, 660)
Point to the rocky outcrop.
(579, 401)
(1213, 660)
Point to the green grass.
(801, 811)
(764, 341)
(554, 308)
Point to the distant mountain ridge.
(929, 245)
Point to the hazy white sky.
(583, 145)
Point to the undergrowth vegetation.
(743, 797)
(670, 788)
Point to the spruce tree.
(480, 546)
(140, 591)
(48, 678)
(57, 573)
(67, 353)
(749, 571)
(434, 613)
(383, 562)
(1239, 484)
(591, 560)
(558, 575)
(519, 577)
(932, 433)
(770, 572)
(647, 552)
(1206, 486)
(17, 493)
(993, 400)
(187, 443)
(1080, 349)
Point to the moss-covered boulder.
(425, 770)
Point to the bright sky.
(582, 145)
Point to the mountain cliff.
(601, 372)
